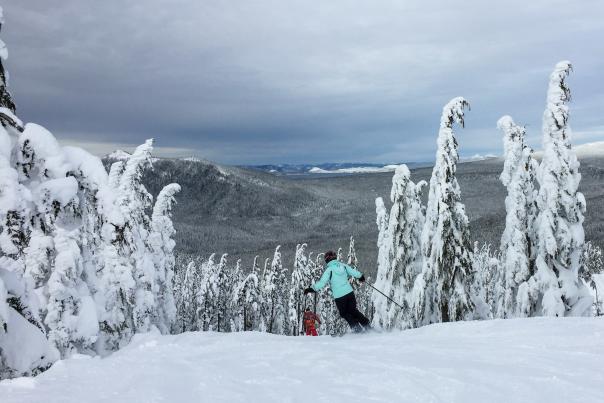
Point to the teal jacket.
(337, 273)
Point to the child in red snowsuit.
(309, 322)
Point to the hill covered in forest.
(247, 212)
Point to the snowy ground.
(534, 360)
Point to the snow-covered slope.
(353, 170)
(119, 155)
(586, 150)
(524, 360)
(590, 149)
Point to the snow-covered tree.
(247, 300)
(486, 268)
(77, 273)
(300, 278)
(8, 119)
(593, 266)
(207, 295)
(352, 253)
(134, 200)
(404, 256)
(273, 303)
(281, 320)
(384, 244)
(187, 299)
(54, 253)
(340, 255)
(24, 348)
(162, 245)
(441, 292)
(555, 289)
(266, 280)
(223, 296)
(136, 277)
(518, 240)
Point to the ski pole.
(387, 297)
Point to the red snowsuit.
(309, 323)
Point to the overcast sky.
(298, 81)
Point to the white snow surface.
(595, 149)
(521, 360)
(119, 155)
(353, 170)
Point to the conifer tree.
(384, 244)
(518, 240)
(352, 253)
(162, 246)
(281, 323)
(300, 278)
(223, 295)
(555, 289)
(270, 293)
(134, 200)
(404, 259)
(486, 265)
(8, 119)
(247, 299)
(188, 299)
(207, 295)
(594, 265)
(441, 292)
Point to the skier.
(337, 274)
(309, 322)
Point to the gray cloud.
(297, 81)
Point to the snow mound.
(119, 155)
(523, 360)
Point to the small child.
(309, 322)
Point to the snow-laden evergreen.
(555, 289)
(441, 292)
(235, 306)
(206, 294)
(247, 300)
(593, 268)
(272, 308)
(397, 274)
(384, 244)
(300, 278)
(518, 239)
(352, 253)
(80, 261)
(162, 245)
(487, 267)
(186, 289)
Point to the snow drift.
(520, 360)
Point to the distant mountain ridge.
(331, 167)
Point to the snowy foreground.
(524, 360)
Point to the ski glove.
(309, 290)
(362, 279)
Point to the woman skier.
(337, 274)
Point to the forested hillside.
(247, 212)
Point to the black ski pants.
(347, 306)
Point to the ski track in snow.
(521, 360)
